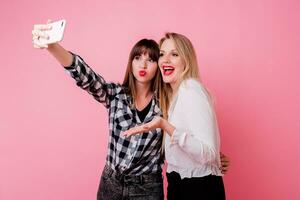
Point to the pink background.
(53, 136)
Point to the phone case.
(56, 33)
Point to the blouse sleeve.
(199, 137)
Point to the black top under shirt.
(143, 113)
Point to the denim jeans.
(116, 186)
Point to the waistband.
(124, 178)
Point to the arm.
(198, 136)
(64, 57)
(84, 76)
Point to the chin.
(167, 80)
(143, 80)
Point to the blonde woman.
(192, 141)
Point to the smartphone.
(56, 33)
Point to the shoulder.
(192, 87)
(193, 93)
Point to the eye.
(151, 60)
(161, 54)
(175, 54)
(136, 57)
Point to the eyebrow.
(170, 51)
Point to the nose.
(143, 64)
(165, 59)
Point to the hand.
(38, 32)
(157, 122)
(225, 162)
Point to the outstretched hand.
(39, 32)
(157, 122)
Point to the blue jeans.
(116, 186)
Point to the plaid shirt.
(135, 155)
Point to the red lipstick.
(142, 73)
(168, 70)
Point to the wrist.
(52, 46)
(166, 126)
(163, 124)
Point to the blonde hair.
(187, 53)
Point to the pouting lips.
(142, 73)
(168, 70)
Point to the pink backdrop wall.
(53, 135)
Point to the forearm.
(202, 149)
(169, 128)
(202, 152)
(64, 57)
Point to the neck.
(175, 86)
(143, 90)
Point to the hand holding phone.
(48, 33)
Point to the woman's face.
(170, 63)
(143, 68)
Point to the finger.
(132, 132)
(222, 155)
(135, 130)
(34, 32)
(42, 34)
(48, 23)
(224, 160)
(37, 44)
(42, 27)
(224, 164)
(39, 34)
(34, 37)
(224, 171)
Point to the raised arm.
(84, 76)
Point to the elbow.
(207, 155)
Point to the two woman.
(192, 140)
(133, 164)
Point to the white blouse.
(193, 150)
